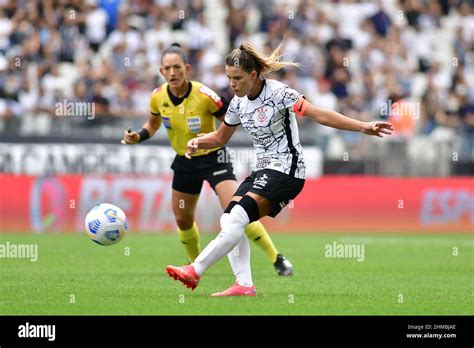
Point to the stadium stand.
(411, 62)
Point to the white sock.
(233, 228)
(239, 259)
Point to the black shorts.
(189, 174)
(279, 188)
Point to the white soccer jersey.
(271, 123)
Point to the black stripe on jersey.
(231, 125)
(223, 109)
(289, 139)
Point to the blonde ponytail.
(249, 59)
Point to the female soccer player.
(186, 109)
(266, 109)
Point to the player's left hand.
(378, 128)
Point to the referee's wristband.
(144, 134)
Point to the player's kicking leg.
(233, 223)
(266, 193)
(225, 187)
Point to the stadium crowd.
(409, 61)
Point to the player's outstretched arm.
(210, 140)
(336, 120)
(152, 124)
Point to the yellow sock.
(258, 234)
(190, 240)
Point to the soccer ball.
(106, 224)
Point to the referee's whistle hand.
(130, 137)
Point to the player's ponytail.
(249, 59)
(175, 48)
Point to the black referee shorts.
(189, 174)
(279, 188)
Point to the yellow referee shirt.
(195, 113)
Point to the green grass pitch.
(400, 275)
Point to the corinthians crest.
(261, 114)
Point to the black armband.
(144, 134)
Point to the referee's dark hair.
(175, 48)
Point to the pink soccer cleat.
(237, 290)
(185, 274)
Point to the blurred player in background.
(187, 108)
(267, 110)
